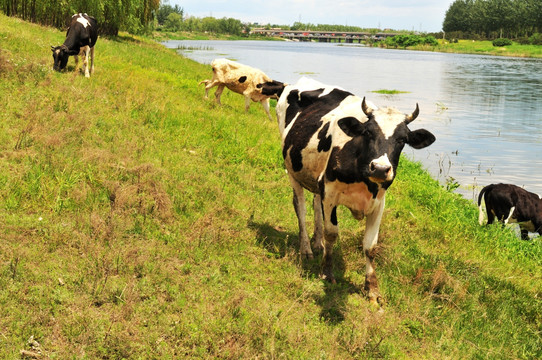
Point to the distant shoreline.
(461, 47)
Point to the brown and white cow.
(241, 79)
(345, 152)
(511, 204)
(80, 40)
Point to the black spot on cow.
(242, 79)
(324, 143)
(334, 220)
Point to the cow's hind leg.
(331, 233)
(318, 224)
(92, 60)
(301, 210)
(85, 54)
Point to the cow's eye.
(368, 134)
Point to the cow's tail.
(480, 207)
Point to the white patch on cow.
(481, 211)
(83, 21)
(383, 161)
(349, 107)
(393, 119)
(510, 218)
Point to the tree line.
(135, 16)
(171, 18)
(490, 19)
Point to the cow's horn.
(366, 110)
(410, 118)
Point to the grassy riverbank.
(484, 48)
(140, 221)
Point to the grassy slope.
(141, 221)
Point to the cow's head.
(272, 88)
(61, 55)
(378, 142)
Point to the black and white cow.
(345, 152)
(80, 40)
(511, 204)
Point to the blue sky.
(424, 15)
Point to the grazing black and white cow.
(346, 153)
(80, 40)
(511, 204)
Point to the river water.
(485, 111)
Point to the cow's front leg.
(218, 93)
(331, 232)
(265, 104)
(76, 63)
(247, 103)
(301, 210)
(370, 240)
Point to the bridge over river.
(323, 36)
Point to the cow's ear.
(351, 126)
(421, 138)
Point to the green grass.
(389, 92)
(141, 221)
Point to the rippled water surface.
(485, 111)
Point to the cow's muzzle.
(380, 171)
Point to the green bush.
(405, 41)
(502, 42)
(535, 39)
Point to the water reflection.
(485, 111)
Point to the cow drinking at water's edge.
(241, 79)
(511, 204)
(80, 40)
(345, 152)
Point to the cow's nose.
(380, 171)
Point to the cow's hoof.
(317, 248)
(329, 277)
(377, 302)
